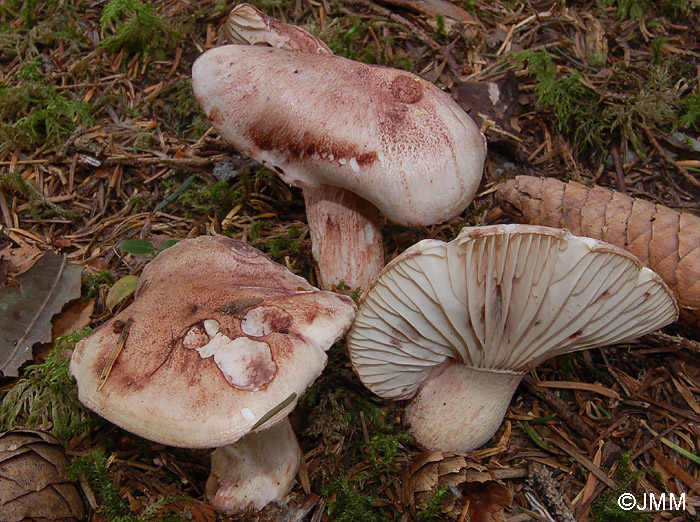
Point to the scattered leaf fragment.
(137, 246)
(120, 291)
(26, 309)
(75, 317)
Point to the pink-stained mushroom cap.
(221, 341)
(455, 326)
(389, 139)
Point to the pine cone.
(33, 482)
(486, 495)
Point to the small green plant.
(47, 396)
(31, 70)
(432, 511)
(352, 293)
(656, 49)
(634, 9)
(136, 28)
(91, 284)
(144, 246)
(440, 32)
(256, 230)
(92, 466)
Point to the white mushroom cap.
(501, 300)
(387, 135)
(222, 338)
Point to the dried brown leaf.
(26, 310)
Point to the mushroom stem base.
(460, 408)
(255, 470)
(346, 237)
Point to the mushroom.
(357, 138)
(218, 345)
(455, 326)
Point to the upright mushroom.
(219, 342)
(357, 138)
(455, 326)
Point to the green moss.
(145, 140)
(204, 198)
(606, 509)
(29, 10)
(690, 110)
(47, 395)
(39, 25)
(432, 511)
(178, 106)
(15, 184)
(353, 293)
(562, 93)
(351, 38)
(383, 450)
(34, 113)
(656, 49)
(92, 467)
(92, 283)
(632, 94)
(636, 9)
(287, 245)
(255, 230)
(338, 406)
(351, 504)
(136, 28)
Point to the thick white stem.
(459, 408)
(254, 471)
(346, 238)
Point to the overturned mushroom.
(455, 326)
(221, 343)
(357, 138)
